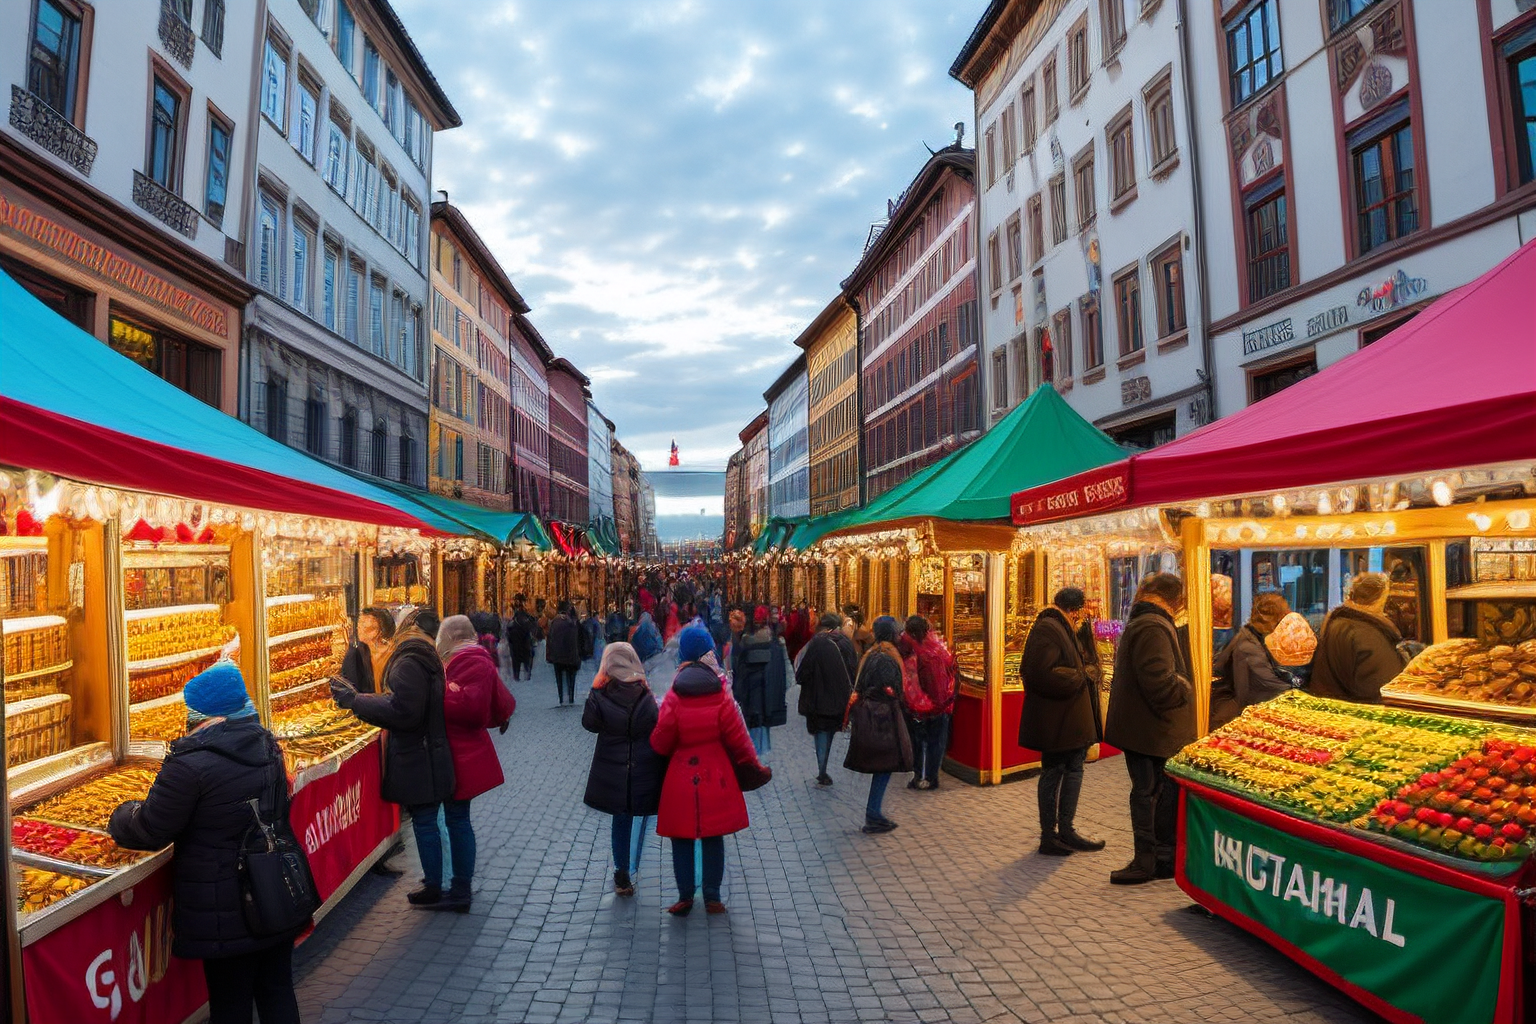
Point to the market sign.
(1268, 336)
(1097, 490)
(1395, 292)
(340, 818)
(1389, 933)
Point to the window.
(1112, 24)
(407, 459)
(335, 170)
(1093, 334)
(378, 452)
(1077, 61)
(307, 118)
(328, 286)
(1027, 116)
(1010, 144)
(1058, 209)
(314, 425)
(1269, 382)
(269, 240)
(1342, 12)
(190, 366)
(346, 28)
(415, 134)
(277, 409)
(1036, 228)
(1381, 158)
(995, 262)
(1051, 100)
(274, 84)
(999, 378)
(1128, 310)
(376, 317)
(354, 302)
(1061, 344)
(1521, 57)
(165, 125)
(347, 439)
(1015, 248)
(991, 154)
(370, 73)
(1020, 365)
(303, 246)
(213, 26)
(1122, 158)
(396, 352)
(1253, 50)
(1269, 244)
(1168, 282)
(1159, 106)
(53, 65)
(1082, 189)
(216, 179)
(394, 107)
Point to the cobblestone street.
(953, 917)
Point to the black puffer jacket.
(626, 773)
(357, 667)
(1151, 700)
(418, 764)
(198, 802)
(1061, 688)
(827, 669)
(563, 648)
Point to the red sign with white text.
(340, 818)
(1097, 490)
(113, 964)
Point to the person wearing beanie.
(625, 778)
(878, 741)
(760, 680)
(200, 803)
(1244, 671)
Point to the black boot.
(622, 885)
(1085, 844)
(456, 899)
(426, 896)
(1141, 869)
(1051, 846)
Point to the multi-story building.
(1087, 181)
(737, 510)
(1364, 158)
(531, 356)
(335, 358)
(626, 498)
(599, 469)
(789, 462)
(473, 302)
(125, 171)
(914, 291)
(754, 448)
(831, 345)
(568, 487)
(650, 544)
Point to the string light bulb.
(1440, 491)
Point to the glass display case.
(398, 580)
(930, 592)
(968, 616)
(1020, 606)
(1491, 589)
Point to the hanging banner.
(340, 818)
(1087, 493)
(113, 964)
(1392, 937)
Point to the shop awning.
(71, 406)
(1454, 387)
(495, 525)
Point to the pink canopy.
(1453, 387)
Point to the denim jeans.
(877, 784)
(761, 741)
(1154, 806)
(628, 841)
(930, 739)
(565, 684)
(823, 750)
(1061, 782)
(429, 841)
(714, 866)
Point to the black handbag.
(751, 775)
(277, 890)
(878, 740)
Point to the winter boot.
(1141, 869)
(1085, 844)
(1051, 846)
(455, 899)
(622, 885)
(426, 896)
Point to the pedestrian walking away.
(563, 651)
(521, 628)
(202, 801)
(760, 680)
(825, 674)
(701, 731)
(930, 676)
(878, 741)
(647, 638)
(1151, 718)
(1061, 717)
(625, 778)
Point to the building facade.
(336, 354)
(568, 486)
(831, 345)
(754, 448)
(1365, 158)
(599, 469)
(915, 294)
(530, 356)
(737, 511)
(789, 461)
(626, 498)
(469, 453)
(1087, 183)
(125, 171)
(650, 544)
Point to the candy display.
(1221, 601)
(413, 594)
(299, 652)
(91, 803)
(1481, 806)
(36, 728)
(1292, 641)
(301, 752)
(165, 722)
(314, 719)
(34, 643)
(147, 684)
(37, 888)
(1471, 671)
(78, 846)
(309, 672)
(162, 636)
(292, 616)
(23, 582)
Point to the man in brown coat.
(1060, 717)
(1151, 718)
(1357, 648)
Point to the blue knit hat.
(693, 643)
(218, 691)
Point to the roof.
(991, 39)
(757, 426)
(1454, 387)
(823, 320)
(564, 365)
(457, 223)
(447, 116)
(795, 369)
(952, 157)
(493, 524)
(530, 332)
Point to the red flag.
(673, 460)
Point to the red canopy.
(1453, 387)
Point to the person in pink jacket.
(474, 700)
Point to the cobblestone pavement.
(952, 917)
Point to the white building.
(789, 451)
(124, 173)
(600, 469)
(336, 350)
(1363, 158)
(1087, 229)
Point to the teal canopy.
(494, 525)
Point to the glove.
(343, 692)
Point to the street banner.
(340, 818)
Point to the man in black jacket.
(521, 628)
(1061, 717)
(563, 651)
(1151, 718)
(825, 674)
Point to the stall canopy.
(1455, 386)
(71, 406)
(500, 527)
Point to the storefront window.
(1408, 600)
(1019, 613)
(194, 368)
(1300, 575)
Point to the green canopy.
(494, 525)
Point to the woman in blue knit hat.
(201, 802)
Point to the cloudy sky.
(677, 187)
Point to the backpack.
(918, 703)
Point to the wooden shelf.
(135, 614)
(169, 660)
(1502, 590)
(298, 634)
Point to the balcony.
(164, 204)
(51, 130)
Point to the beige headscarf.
(455, 634)
(621, 664)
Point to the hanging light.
(1441, 491)
(1324, 503)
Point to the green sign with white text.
(1426, 948)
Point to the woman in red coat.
(701, 730)
(473, 700)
